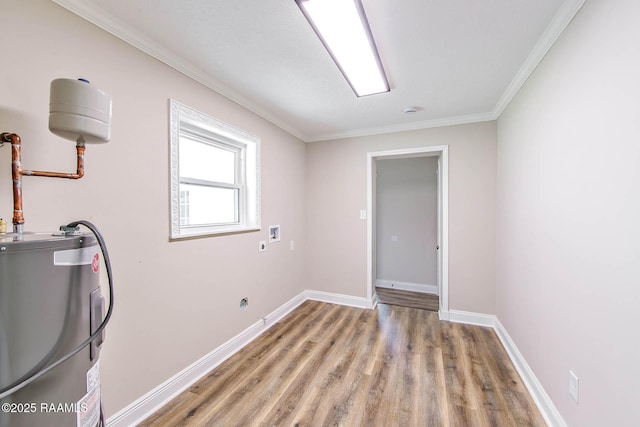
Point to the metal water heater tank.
(50, 302)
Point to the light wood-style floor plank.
(328, 365)
(402, 298)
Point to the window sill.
(213, 232)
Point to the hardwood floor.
(420, 300)
(326, 364)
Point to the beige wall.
(175, 302)
(337, 191)
(407, 210)
(568, 215)
(566, 266)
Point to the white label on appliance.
(93, 376)
(88, 413)
(81, 256)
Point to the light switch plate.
(574, 384)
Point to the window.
(214, 175)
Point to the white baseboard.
(162, 394)
(159, 396)
(407, 286)
(374, 301)
(538, 394)
(468, 317)
(146, 405)
(340, 299)
(540, 397)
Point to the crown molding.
(565, 14)
(137, 39)
(426, 124)
(100, 18)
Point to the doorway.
(438, 158)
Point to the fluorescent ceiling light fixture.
(342, 27)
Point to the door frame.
(442, 152)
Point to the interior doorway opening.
(378, 216)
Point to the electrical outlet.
(573, 386)
(262, 246)
(244, 303)
(291, 245)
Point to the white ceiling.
(458, 61)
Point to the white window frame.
(187, 122)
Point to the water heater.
(52, 315)
(50, 302)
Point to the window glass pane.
(208, 205)
(184, 207)
(207, 162)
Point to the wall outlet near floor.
(573, 386)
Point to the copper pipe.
(79, 172)
(16, 176)
(17, 172)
